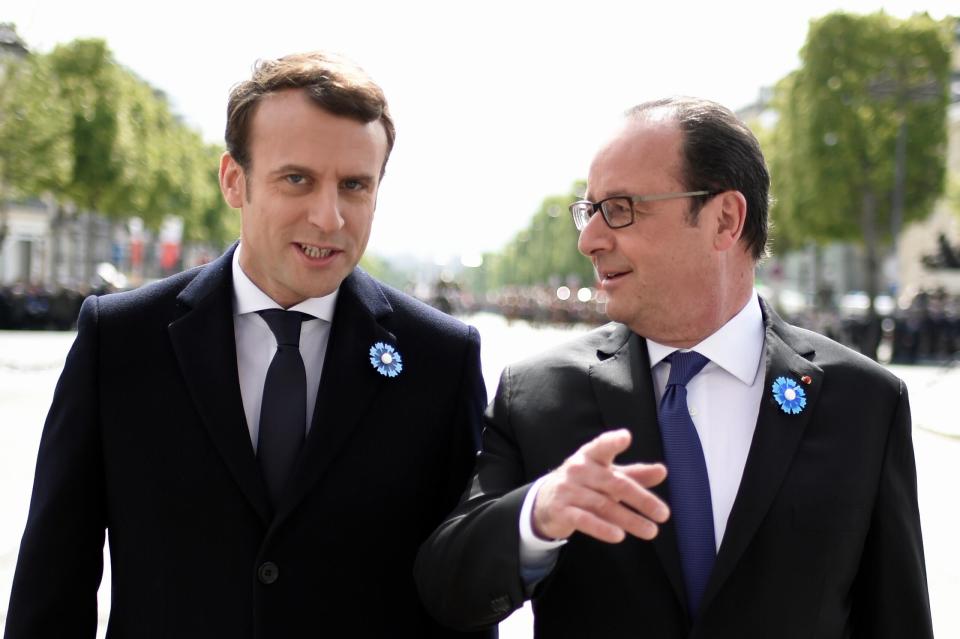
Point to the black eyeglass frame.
(580, 221)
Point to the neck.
(713, 311)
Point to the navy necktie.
(283, 409)
(687, 481)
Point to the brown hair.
(720, 153)
(334, 83)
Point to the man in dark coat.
(236, 504)
(698, 468)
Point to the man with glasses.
(697, 467)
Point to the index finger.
(605, 447)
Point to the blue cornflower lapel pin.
(386, 359)
(791, 397)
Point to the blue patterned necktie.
(283, 409)
(687, 481)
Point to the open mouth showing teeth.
(314, 252)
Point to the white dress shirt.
(724, 401)
(256, 343)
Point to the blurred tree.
(89, 85)
(92, 87)
(171, 171)
(33, 130)
(953, 192)
(77, 125)
(212, 221)
(382, 269)
(869, 89)
(545, 252)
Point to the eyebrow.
(614, 193)
(291, 168)
(360, 177)
(296, 168)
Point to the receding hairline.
(622, 130)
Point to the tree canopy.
(840, 113)
(81, 128)
(860, 145)
(545, 252)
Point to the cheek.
(359, 227)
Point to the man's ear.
(730, 216)
(233, 181)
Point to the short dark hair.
(720, 154)
(332, 82)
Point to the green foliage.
(212, 220)
(384, 271)
(543, 253)
(79, 126)
(89, 86)
(839, 116)
(952, 195)
(33, 128)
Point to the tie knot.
(285, 325)
(683, 366)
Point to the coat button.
(500, 605)
(268, 573)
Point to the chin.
(615, 313)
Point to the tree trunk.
(4, 216)
(4, 227)
(56, 244)
(88, 252)
(869, 338)
(816, 276)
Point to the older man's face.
(656, 273)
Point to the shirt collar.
(735, 347)
(248, 298)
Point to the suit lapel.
(348, 386)
(205, 346)
(623, 385)
(775, 441)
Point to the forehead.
(287, 125)
(642, 156)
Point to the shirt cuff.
(534, 551)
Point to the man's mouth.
(607, 276)
(315, 252)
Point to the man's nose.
(324, 211)
(595, 237)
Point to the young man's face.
(308, 197)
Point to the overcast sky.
(497, 104)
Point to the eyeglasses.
(617, 211)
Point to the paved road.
(30, 364)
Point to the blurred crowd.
(924, 329)
(38, 308)
(533, 304)
(928, 330)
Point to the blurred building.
(10, 43)
(922, 239)
(43, 244)
(47, 245)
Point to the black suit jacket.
(146, 438)
(823, 540)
